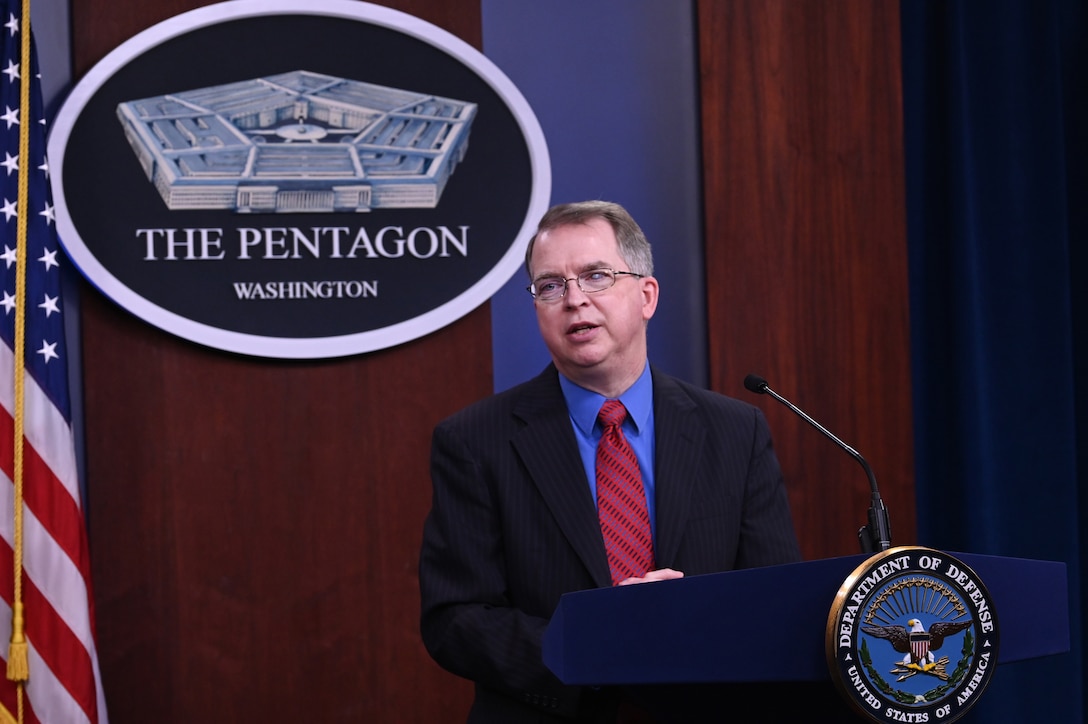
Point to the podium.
(694, 649)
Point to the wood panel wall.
(255, 524)
(806, 252)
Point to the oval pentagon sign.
(297, 180)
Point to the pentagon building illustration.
(298, 142)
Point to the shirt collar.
(584, 405)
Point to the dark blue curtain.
(995, 96)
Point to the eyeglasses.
(550, 289)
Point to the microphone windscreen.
(755, 383)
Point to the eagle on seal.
(916, 643)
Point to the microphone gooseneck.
(874, 537)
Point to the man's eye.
(595, 276)
(547, 286)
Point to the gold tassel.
(18, 666)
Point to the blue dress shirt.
(638, 428)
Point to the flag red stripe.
(7, 698)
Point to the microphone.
(874, 537)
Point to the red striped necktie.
(621, 499)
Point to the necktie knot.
(612, 414)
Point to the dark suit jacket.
(513, 527)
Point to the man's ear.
(650, 289)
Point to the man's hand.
(661, 574)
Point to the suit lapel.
(547, 446)
(679, 441)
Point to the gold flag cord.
(18, 665)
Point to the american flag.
(60, 680)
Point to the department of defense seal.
(912, 637)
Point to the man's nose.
(574, 296)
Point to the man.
(515, 520)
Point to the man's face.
(597, 340)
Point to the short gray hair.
(633, 246)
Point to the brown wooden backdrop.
(255, 525)
(806, 253)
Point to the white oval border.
(310, 347)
